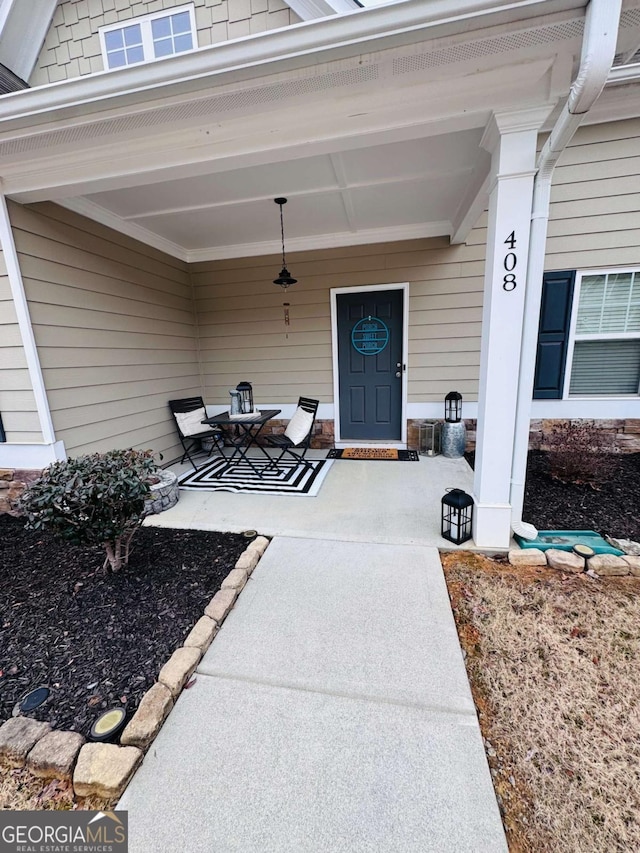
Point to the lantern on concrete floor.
(429, 438)
(457, 516)
(246, 397)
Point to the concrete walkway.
(332, 713)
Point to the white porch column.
(26, 455)
(511, 140)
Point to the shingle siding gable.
(72, 46)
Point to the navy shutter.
(553, 334)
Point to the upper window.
(150, 37)
(605, 357)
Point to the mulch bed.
(612, 509)
(99, 640)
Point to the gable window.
(150, 37)
(589, 335)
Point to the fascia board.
(309, 10)
(23, 29)
(290, 48)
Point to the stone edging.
(600, 565)
(105, 769)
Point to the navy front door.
(370, 364)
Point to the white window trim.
(611, 336)
(147, 38)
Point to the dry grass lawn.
(553, 661)
(20, 791)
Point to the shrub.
(92, 500)
(579, 452)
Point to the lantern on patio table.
(454, 433)
(246, 397)
(457, 516)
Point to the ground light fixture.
(457, 516)
(584, 551)
(108, 724)
(31, 700)
(285, 278)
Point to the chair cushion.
(190, 423)
(299, 425)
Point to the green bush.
(92, 500)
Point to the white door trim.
(335, 292)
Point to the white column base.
(492, 525)
(30, 457)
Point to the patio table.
(246, 434)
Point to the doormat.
(290, 479)
(389, 454)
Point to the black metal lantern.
(453, 407)
(285, 279)
(246, 397)
(457, 516)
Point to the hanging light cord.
(285, 279)
(284, 263)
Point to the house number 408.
(510, 261)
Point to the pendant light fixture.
(284, 279)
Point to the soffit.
(382, 146)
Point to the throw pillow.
(190, 423)
(299, 426)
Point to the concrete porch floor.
(359, 501)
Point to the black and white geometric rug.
(290, 479)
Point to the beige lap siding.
(595, 200)
(243, 334)
(113, 321)
(17, 402)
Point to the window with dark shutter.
(553, 334)
(605, 360)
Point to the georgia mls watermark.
(63, 832)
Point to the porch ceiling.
(367, 146)
(413, 188)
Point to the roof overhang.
(370, 122)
